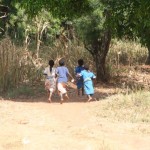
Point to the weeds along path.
(71, 126)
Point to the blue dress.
(79, 80)
(87, 81)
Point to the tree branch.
(3, 16)
(89, 49)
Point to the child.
(63, 74)
(88, 76)
(50, 82)
(79, 80)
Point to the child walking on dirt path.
(79, 79)
(63, 74)
(50, 82)
(88, 77)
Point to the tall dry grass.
(70, 50)
(16, 67)
(124, 52)
(19, 65)
(10, 73)
(123, 56)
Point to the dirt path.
(70, 126)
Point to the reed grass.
(19, 65)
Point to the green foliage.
(143, 22)
(130, 18)
(24, 29)
(36, 24)
(91, 26)
(25, 91)
(63, 8)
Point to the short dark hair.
(62, 62)
(80, 62)
(51, 63)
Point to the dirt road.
(39, 125)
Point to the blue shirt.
(62, 73)
(79, 69)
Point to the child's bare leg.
(66, 95)
(82, 91)
(50, 96)
(89, 98)
(78, 91)
(61, 98)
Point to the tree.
(4, 11)
(61, 8)
(105, 19)
(96, 36)
(130, 19)
(142, 24)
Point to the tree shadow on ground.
(101, 93)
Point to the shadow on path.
(101, 93)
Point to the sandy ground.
(39, 125)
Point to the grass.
(133, 107)
(26, 91)
(124, 52)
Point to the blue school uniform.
(87, 81)
(79, 80)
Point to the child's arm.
(45, 72)
(94, 79)
(70, 75)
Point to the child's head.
(51, 63)
(62, 62)
(80, 62)
(86, 67)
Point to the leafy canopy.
(61, 8)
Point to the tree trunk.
(148, 58)
(100, 57)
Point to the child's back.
(79, 80)
(63, 73)
(88, 83)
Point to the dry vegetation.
(133, 107)
(20, 67)
(122, 108)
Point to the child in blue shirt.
(62, 79)
(79, 79)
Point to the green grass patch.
(24, 90)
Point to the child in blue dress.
(62, 79)
(79, 79)
(88, 77)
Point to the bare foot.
(89, 99)
(67, 97)
(49, 100)
(61, 101)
